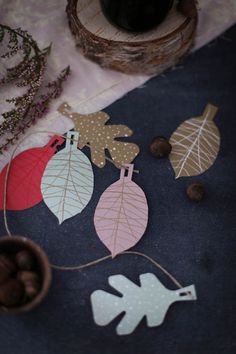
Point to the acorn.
(11, 293)
(188, 8)
(160, 147)
(31, 281)
(195, 192)
(24, 260)
(7, 267)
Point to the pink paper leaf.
(121, 215)
(24, 179)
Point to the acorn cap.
(11, 293)
(31, 289)
(25, 260)
(27, 276)
(15, 244)
(7, 267)
(7, 263)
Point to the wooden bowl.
(13, 244)
(148, 53)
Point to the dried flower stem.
(28, 73)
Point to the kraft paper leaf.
(151, 299)
(67, 183)
(195, 144)
(24, 179)
(121, 215)
(99, 136)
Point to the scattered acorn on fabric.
(19, 281)
(195, 192)
(160, 147)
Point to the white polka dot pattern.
(101, 137)
(151, 299)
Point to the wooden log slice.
(132, 53)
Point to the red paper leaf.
(26, 170)
(121, 215)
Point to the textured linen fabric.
(90, 87)
(195, 242)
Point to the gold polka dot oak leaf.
(94, 131)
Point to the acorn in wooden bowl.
(25, 274)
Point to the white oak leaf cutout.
(68, 181)
(121, 215)
(195, 144)
(151, 300)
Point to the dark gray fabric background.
(194, 242)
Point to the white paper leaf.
(195, 144)
(68, 181)
(150, 299)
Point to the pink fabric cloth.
(90, 88)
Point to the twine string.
(96, 261)
(100, 260)
(116, 164)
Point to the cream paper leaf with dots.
(151, 299)
(101, 137)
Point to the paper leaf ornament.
(121, 215)
(94, 131)
(24, 179)
(195, 144)
(67, 183)
(151, 299)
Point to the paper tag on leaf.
(67, 183)
(94, 131)
(26, 170)
(195, 144)
(121, 215)
(150, 299)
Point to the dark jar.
(136, 15)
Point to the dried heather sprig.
(27, 73)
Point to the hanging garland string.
(117, 165)
(96, 261)
(99, 260)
